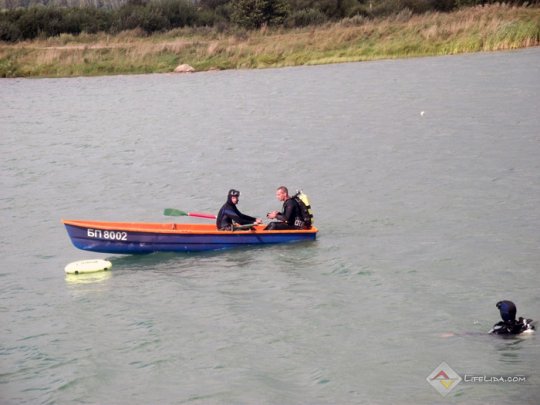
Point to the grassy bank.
(489, 28)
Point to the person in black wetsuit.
(290, 217)
(229, 214)
(509, 325)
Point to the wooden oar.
(172, 212)
(243, 227)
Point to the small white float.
(88, 266)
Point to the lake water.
(424, 175)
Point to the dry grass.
(489, 28)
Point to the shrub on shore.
(53, 19)
(350, 39)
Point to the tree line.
(29, 19)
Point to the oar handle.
(202, 215)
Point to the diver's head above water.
(507, 309)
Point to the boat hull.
(142, 237)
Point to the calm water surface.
(424, 176)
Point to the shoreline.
(477, 29)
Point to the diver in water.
(229, 215)
(509, 325)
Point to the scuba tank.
(305, 208)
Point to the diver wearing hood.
(509, 325)
(229, 214)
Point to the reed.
(488, 28)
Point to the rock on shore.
(184, 68)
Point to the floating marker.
(88, 266)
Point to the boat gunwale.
(177, 228)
